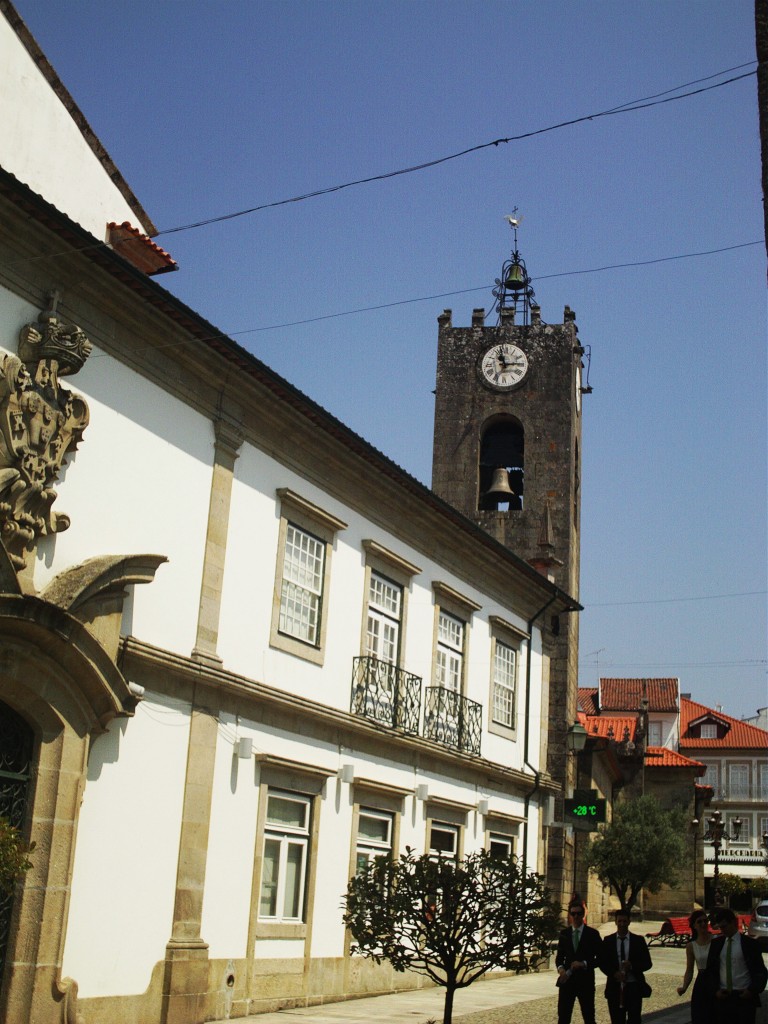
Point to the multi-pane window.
(763, 829)
(301, 592)
(764, 783)
(654, 734)
(708, 731)
(710, 777)
(374, 837)
(504, 675)
(738, 781)
(444, 841)
(284, 863)
(385, 602)
(745, 829)
(450, 652)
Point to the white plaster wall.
(43, 147)
(231, 839)
(124, 880)
(247, 599)
(138, 483)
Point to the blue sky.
(209, 108)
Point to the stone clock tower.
(507, 454)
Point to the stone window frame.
(304, 780)
(502, 825)
(447, 813)
(324, 526)
(460, 607)
(396, 570)
(512, 636)
(382, 799)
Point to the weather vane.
(513, 289)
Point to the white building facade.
(241, 652)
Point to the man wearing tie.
(578, 950)
(735, 972)
(624, 959)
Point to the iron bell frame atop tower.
(513, 291)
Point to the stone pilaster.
(228, 442)
(185, 985)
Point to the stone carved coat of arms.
(41, 422)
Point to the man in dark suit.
(624, 959)
(735, 973)
(578, 950)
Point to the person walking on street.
(696, 954)
(578, 952)
(624, 959)
(735, 973)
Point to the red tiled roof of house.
(626, 694)
(587, 698)
(139, 249)
(663, 757)
(740, 735)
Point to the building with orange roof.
(735, 758)
(690, 756)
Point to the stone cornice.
(411, 749)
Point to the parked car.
(758, 924)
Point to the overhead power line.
(437, 295)
(674, 600)
(641, 104)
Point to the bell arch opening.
(502, 466)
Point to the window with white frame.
(708, 731)
(301, 593)
(285, 858)
(444, 840)
(654, 734)
(500, 845)
(745, 837)
(504, 682)
(450, 652)
(763, 829)
(763, 783)
(374, 836)
(385, 604)
(738, 781)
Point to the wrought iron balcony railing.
(451, 719)
(386, 694)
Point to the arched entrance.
(16, 746)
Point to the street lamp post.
(718, 834)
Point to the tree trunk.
(448, 1008)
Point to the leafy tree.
(449, 921)
(644, 847)
(730, 885)
(758, 887)
(13, 856)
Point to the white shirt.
(740, 976)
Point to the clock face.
(503, 366)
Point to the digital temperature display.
(584, 811)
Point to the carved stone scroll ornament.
(41, 423)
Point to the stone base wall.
(273, 985)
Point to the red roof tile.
(626, 694)
(608, 727)
(139, 249)
(663, 757)
(740, 735)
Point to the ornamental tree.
(644, 847)
(13, 856)
(452, 922)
